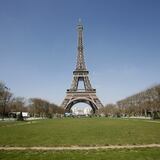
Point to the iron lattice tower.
(74, 94)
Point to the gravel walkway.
(81, 147)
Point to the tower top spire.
(79, 20)
(80, 66)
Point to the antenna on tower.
(79, 21)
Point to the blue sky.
(38, 41)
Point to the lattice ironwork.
(88, 94)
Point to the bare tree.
(42, 108)
(144, 103)
(17, 104)
(5, 96)
(110, 110)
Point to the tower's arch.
(84, 100)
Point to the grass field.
(82, 132)
(79, 131)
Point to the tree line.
(145, 103)
(36, 107)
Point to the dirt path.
(81, 147)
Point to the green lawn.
(125, 154)
(79, 131)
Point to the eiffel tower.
(80, 74)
